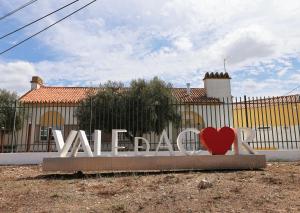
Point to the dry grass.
(275, 189)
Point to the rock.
(204, 184)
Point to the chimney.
(188, 88)
(217, 85)
(36, 82)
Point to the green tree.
(143, 107)
(10, 118)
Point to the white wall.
(284, 138)
(217, 88)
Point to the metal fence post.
(14, 128)
(28, 138)
(91, 118)
(246, 111)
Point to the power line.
(16, 10)
(293, 90)
(46, 28)
(37, 20)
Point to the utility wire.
(16, 10)
(46, 28)
(293, 90)
(37, 20)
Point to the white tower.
(217, 85)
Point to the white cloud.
(295, 77)
(248, 43)
(15, 76)
(254, 88)
(121, 40)
(183, 43)
(282, 72)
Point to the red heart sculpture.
(218, 142)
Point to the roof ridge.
(80, 87)
(68, 87)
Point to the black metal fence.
(28, 127)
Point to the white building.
(48, 107)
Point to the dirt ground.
(274, 189)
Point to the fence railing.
(28, 127)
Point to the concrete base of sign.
(142, 163)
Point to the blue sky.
(174, 39)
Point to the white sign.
(77, 139)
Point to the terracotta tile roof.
(197, 95)
(262, 102)
(56, 95)
(73, 95)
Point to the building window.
(44, 132)
(50, 120)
